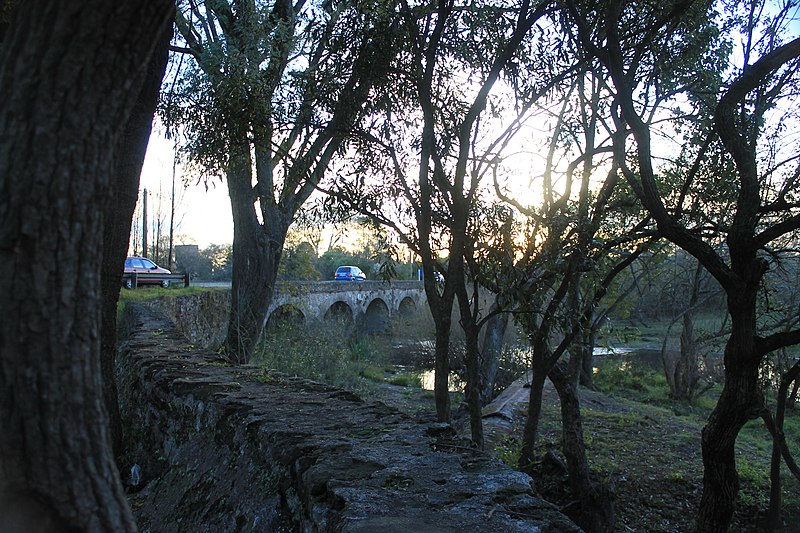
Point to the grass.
(149, 293)
(322, 354)
(142, 294)
(626, 376)
(650, 445)
(648, 448)
(405, 380)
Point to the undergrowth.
(676, 427)
(322, 354)
(647, 448)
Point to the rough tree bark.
(774, 519)
(738, 403)
(596, 507)
(128, 160)
(70, 73)
(257, 251)
(494, 333)
(472, 390)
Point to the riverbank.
(648, 451)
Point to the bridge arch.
(322, 301)
(407, 307)
(340, 312)
(285, 316)
(376, 317)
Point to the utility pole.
(144, 223)
(172, 212)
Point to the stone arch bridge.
(365, 306)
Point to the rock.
(220, 450)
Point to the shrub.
(322, 354)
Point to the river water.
(418, 357)
(710, 366)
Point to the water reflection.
(709, 367)
(516, 361)
(454, 384)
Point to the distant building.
(188, 259)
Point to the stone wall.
(234, 448)
(201, 317)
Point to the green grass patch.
(406, 380)
(150, 293)
(322, 355)
(374, 373)
(509, 450)
(631, 380)
(642, 439)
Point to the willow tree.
(269, 97)
(646, 49)
(449, 111)
(580, 231)
(70, 76)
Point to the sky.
(202, 216)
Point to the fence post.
(186, 279)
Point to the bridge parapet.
(346, 286)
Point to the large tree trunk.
(738, 403)
(494, 333)
(128, 160)
(70, 73)
(596, 512)
(257, 251)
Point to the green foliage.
(625, 376)
(297, 263)
(365, 350)
(406, 380)
(509, 450)
(332, 259)
(213, 263)
(323, 355)
(374, 373)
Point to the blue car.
(349, 273)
